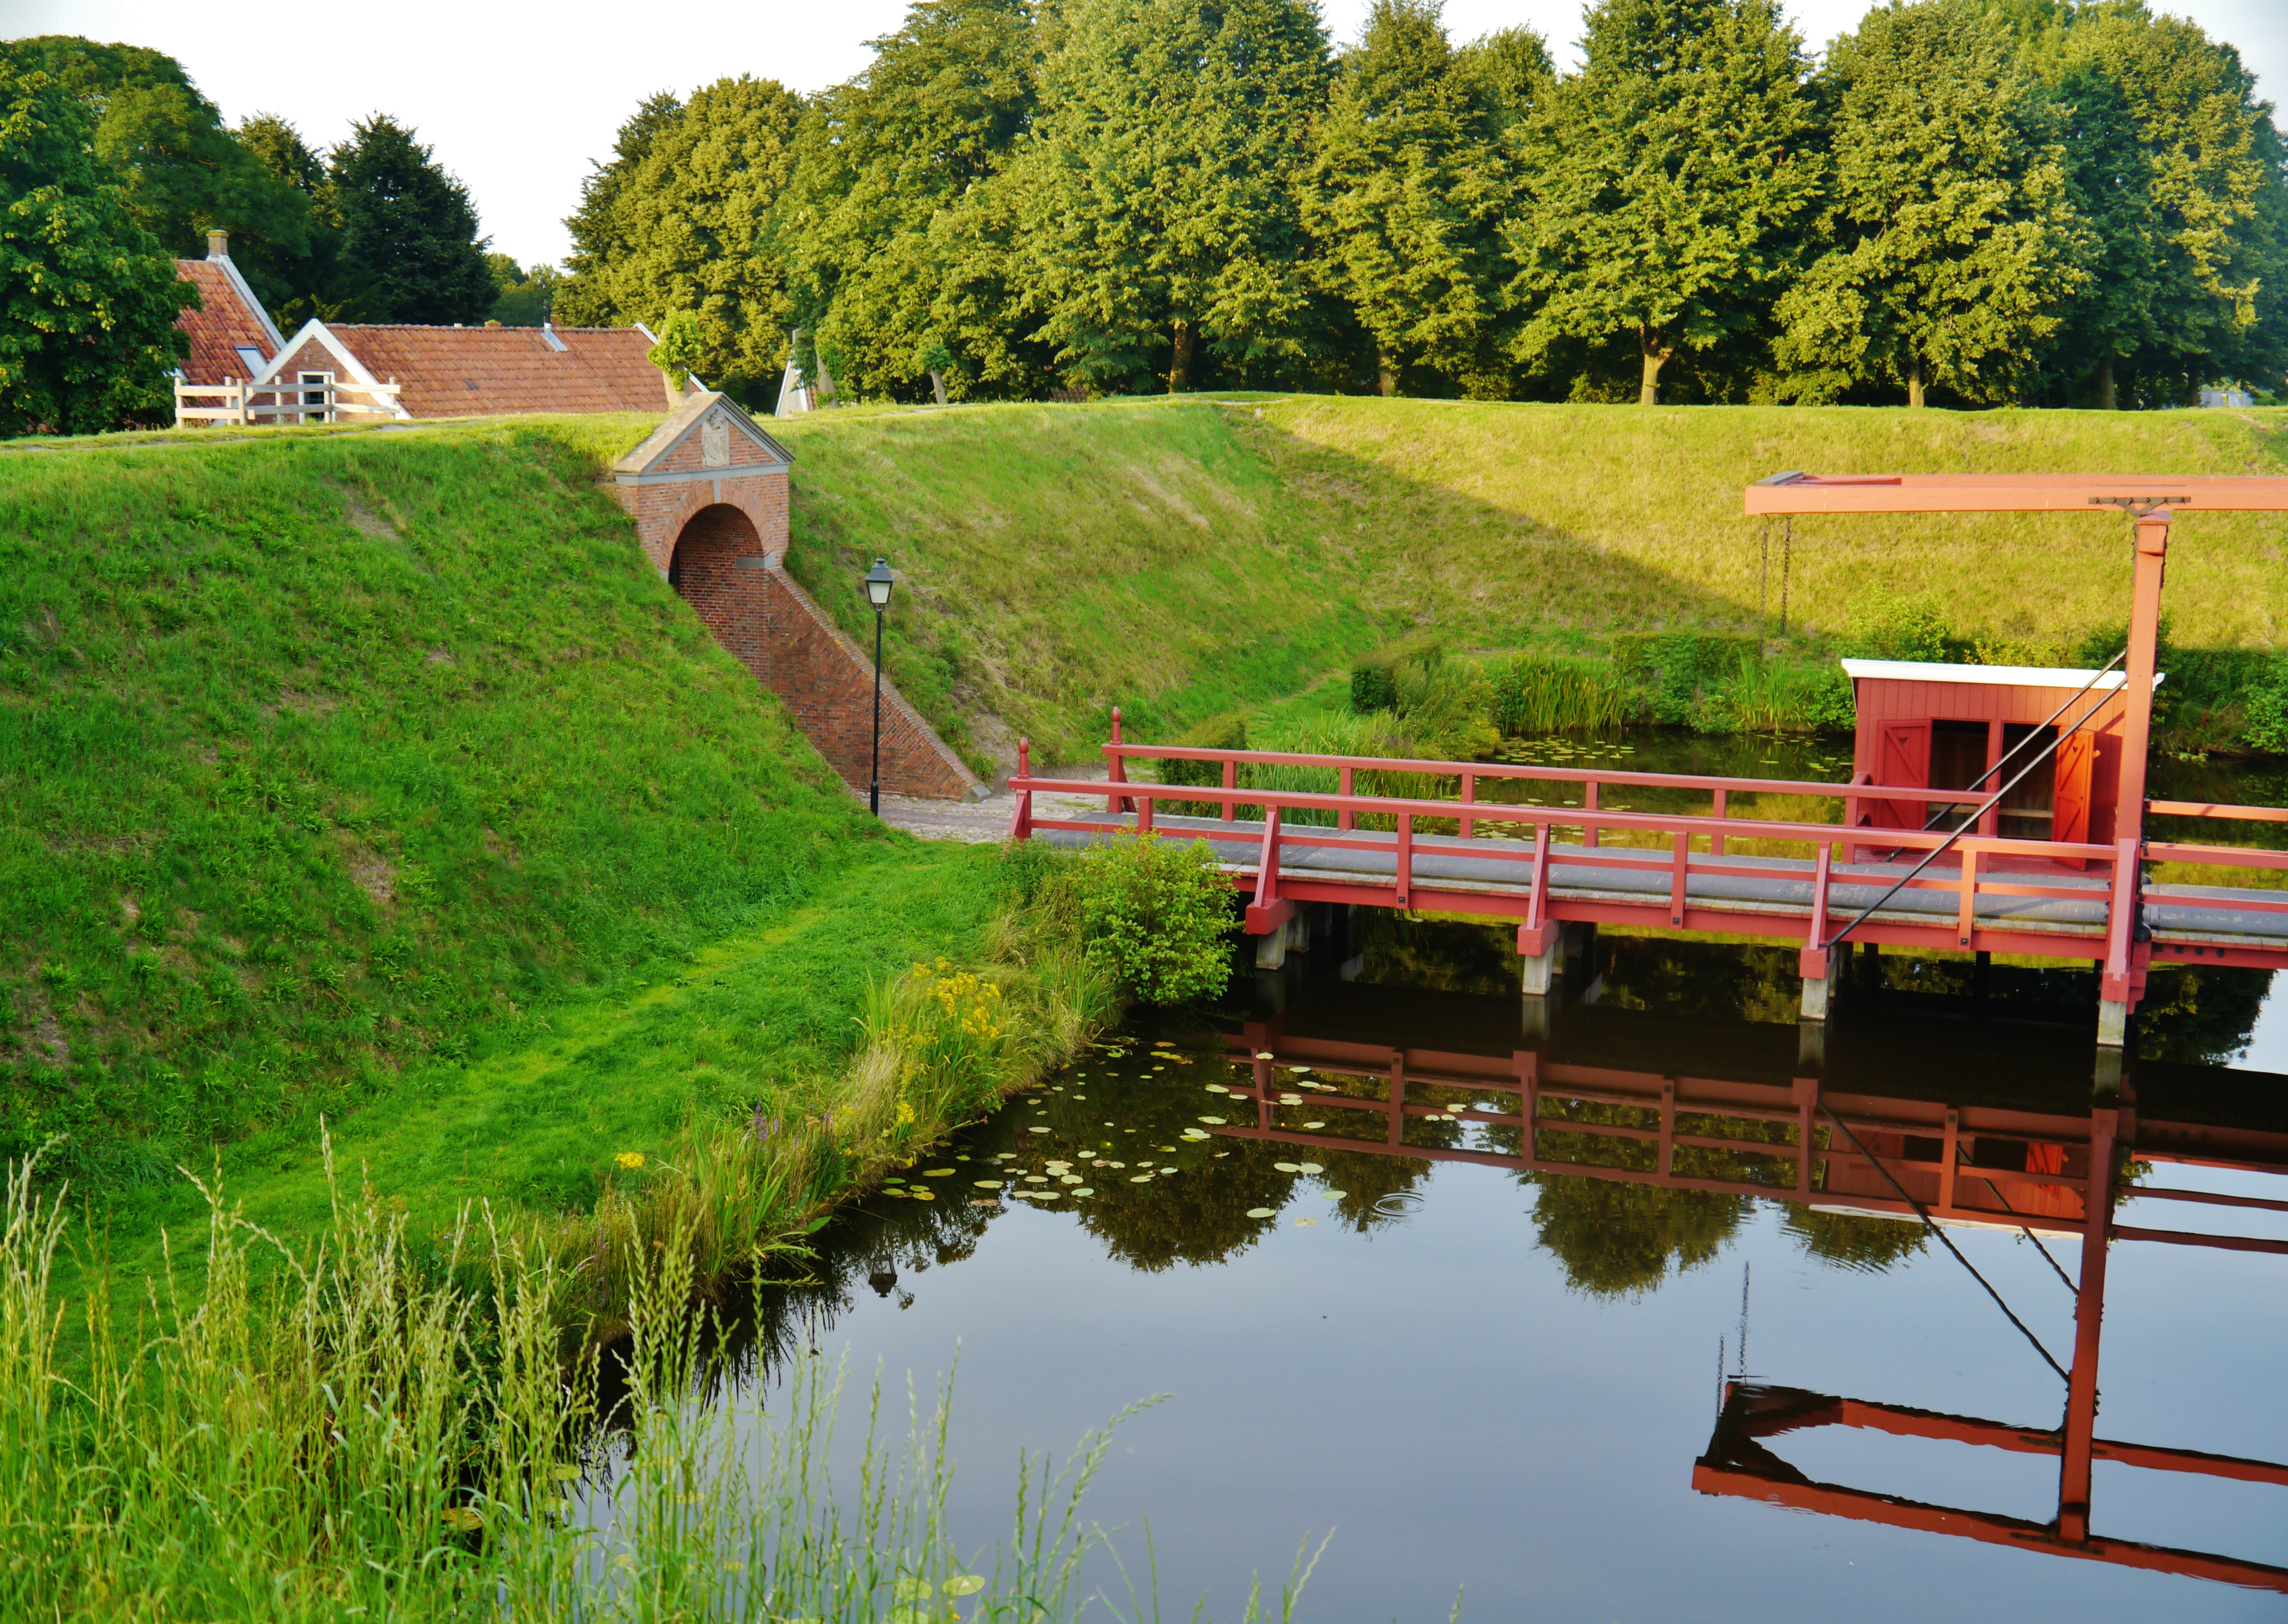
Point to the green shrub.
(1676, 669)
(1882, 625)
(1223, 733)
(1374, 685)
(1446, 710)
(2265, 724)
(1153, 914)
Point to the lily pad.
(1336, 1195)
(1310, 1167)
(1265, 1054)
(1214, 1121)
(1306, 1224)
(1037, 1178)
(1140, 1178)
(989, 1184)
(1286, 1167)
(963, 1584)
(1261, 1212)
(1084, 1190)
(938, 1173)
(921, 1195)
(1315, 1124)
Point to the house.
(241, 370)
(1952, 726)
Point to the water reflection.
(1334, 1185)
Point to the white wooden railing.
(232, 402)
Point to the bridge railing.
(1534, 864)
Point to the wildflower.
(630, 1160)
(905, 1112)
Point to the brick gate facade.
(708, 493)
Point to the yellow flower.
(905, 1114)
(630, 1160)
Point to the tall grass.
(1546, 693)
(366, 1439)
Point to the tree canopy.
(1950, 242)
(88, 298)
(410, 250)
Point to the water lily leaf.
(988, 1184)
(1084, 1189)
(566, 1474)
(1265, 1054)
(1261, 1212)
(1047, 1195)
(1306, 1224)
(1310, 1167)
(1287, 1167)
(462, 1519)
(1300, 1070)
(1336, 1195)
(1215, 1120)
(963, 1584)
(1140, 1178)
(1037, 1178)
(1315, 1124)
(921, 1195)
(939, 1173)
(911, 1591)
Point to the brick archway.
(711, 565)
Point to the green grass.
(336, 768)
(1183, 559)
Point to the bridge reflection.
(1934, 1152)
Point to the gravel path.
(981, 822)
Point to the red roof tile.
(485, 371)
(223, 323)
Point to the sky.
(519, 100)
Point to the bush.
(2265, 724)
(1447, 710)
(1224, 733)
(1374, 685)
(1153, 914)
(1882, 625)
(1677, 666)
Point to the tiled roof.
(224, 322)
(484, 371)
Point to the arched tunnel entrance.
(713, 569)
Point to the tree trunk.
(1386, 372)
(2107, 399)
(1180, 374)
(1915, 381)
(937, 385)
(1654, 356)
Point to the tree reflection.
(1854, 1240)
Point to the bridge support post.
(1542, 952)
(1271, 948)
(1818, 982)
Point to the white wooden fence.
(232, 402)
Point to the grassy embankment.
(1188, 559)
(375, 777)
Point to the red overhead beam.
(2014, 492)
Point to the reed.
(1552, 694)
(363, 1438)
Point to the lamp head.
(879, 582)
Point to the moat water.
(1494, 1385)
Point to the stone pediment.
(707, 435)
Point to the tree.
(1950, 242)
(590, 295)
(692, 226)
(1407, 189)
(410, 250)
(88, 300)
(1665, 181)
(305, 276)
(878, 273)
(521, 298)
(2189, 280)
(183, 172)
(1161, 201)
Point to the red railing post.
(1231, 783)
(1347, 819)
(1021, 817)
(1469, 825)
(2089, 1316)
(2116, 988)
(1405, 874)
(1716, 842)
(1676, 876)
(1966, 917)
(1589, 805)
(1115, 767)
(1143, 804)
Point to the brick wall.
(724, 558)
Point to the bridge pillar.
(1271, 949)
(1540, 969)
(1818, 982)
(2112, 1023)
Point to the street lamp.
(879, 582)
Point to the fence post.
(1723, 802)
(1115, 770)
(1230, 782)
(1589, 805)
(1347, 819)
(1405, 874)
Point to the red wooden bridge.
(1821, 885)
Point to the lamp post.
(879, 581)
